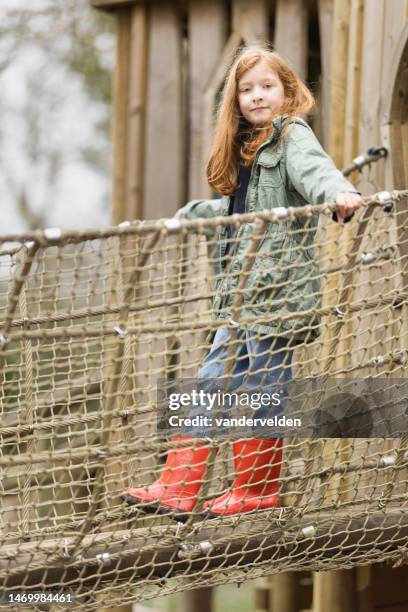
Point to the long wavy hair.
(234, 137)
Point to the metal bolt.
(52, 234)
(122, 333)
(309, 532)
(281, 212)
(172, 225)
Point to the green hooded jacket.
(283, 281)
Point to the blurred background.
(56, 63)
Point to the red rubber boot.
(257, 463)
(179, 483)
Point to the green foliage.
(84, 58)
(70, 31)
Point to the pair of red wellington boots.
(257, 463)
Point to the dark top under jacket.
(237, 203)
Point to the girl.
(263, 156)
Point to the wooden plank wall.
(374, 28)
(383, 24)
(250, 18)
(291, 21)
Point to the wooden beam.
(251, 19)
(284, 596)
(198, 599)
(137, 112)
(165, 131)
(394, 113)
(226, 58)
(120, 114)
(394, 21)
(207, 21)
(351, 145)
(291, 23)
(112, 5)
(371, 75)
(134, 554)
(364, 589)
(325, 8)
(334, 591)
(338, 83)
(352, 119)
(339, 55)
(394, 136)
(262, 594)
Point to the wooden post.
(250, 18)
(351, 144)
(128, 96)
(136, 112)
(371, 75)
(393, 123)
(334, 591)
(364, 589)
(262, 593)
(341, 21)
(352, 118)
(291, 23)
(284, 593)
(394, 131)
(339, 55)
(129, 110)
(120, 114)
(165, 190)
(207, 20)
(211, 91)
(325, 8)
(198, 599)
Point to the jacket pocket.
(270, 174)
(267, 283)
(269, 171)
(271, 185)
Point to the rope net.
(96, 324)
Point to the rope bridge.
(97, 323)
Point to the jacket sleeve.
(310, 170)
(204, 209)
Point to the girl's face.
(260, 94)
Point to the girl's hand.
(347, 202)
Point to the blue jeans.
(261, 365)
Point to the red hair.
(234, 137)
